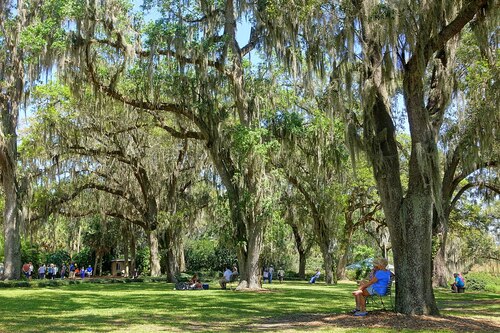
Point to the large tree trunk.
(172, 241)
(247, 230)
(341, 265)
(299, 244)
(11, 95)
(12, 244)
(409, 220)
(154, 257)
(325, 240)
(328, 262)
(173, 268)
(248, 259)
(96, 261)
(412, 250)
(440, 270)
(100, 265)
(302, 265)
(344, 250)
(180, 257)
(132, 250)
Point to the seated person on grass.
(195, 282)
(377, 285)
(89, 271)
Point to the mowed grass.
(156, 307)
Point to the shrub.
(55, 283)
(84, 257)
(361, 252)
(208, 254)
(482, 282)
(4, 284)
(291, 276)
(142, 260)
(30, 253)
(58, 258)
(200, 254)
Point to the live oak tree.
(311, 158)
(31, 41)
(372, 48)
(421, 45)
(189, 65)
(120, 153)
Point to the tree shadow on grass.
(375, 320)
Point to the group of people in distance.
(268, 274)
(46, 271)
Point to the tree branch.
(141, 104)
(470, 185)
(164, 52)
(126, 218)
(182, 134)
(255, 36)
(118, 154)
(466, 14)
(119, 193)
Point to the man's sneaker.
(360, 313)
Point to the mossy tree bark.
(12, 76)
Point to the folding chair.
(375, 298)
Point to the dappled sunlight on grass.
(155, 307)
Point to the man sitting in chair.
(377, 285)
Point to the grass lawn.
(289, 307)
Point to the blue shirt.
(383, 279)
(459, 282)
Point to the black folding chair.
(376, 298)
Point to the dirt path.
(377, 319)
